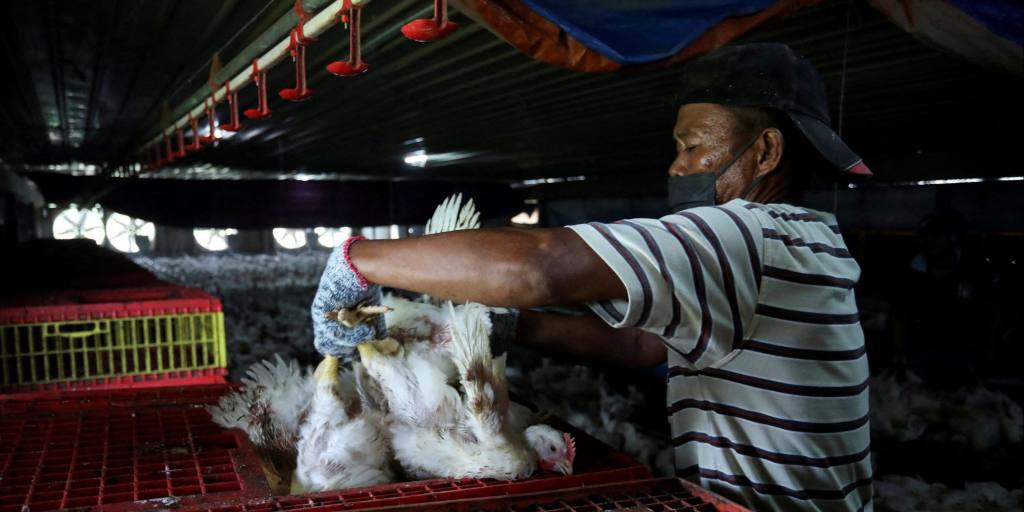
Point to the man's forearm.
(588, 339)
(497, 267)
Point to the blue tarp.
(640, 31)
(1002, 17)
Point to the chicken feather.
(482, 378)
(459, 429)
(342, 443)
(269, 409)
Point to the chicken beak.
(564, 467)
(327, 371)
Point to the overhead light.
(451, 156)
(927, 183)
(417, 158)
(546, 181)
(527, 219)
(73, 168)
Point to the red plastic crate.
(112, 448)
(111, 338)
(95, 448)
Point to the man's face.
(706, 139)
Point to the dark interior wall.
(991, 207)
(986, 207)
(18, 220)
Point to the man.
(751, 300)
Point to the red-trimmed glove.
(343, 287)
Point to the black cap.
(771, 75)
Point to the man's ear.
(769, 156)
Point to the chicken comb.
(570, 447)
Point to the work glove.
(504, 322)
(342, 287)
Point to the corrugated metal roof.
(495, 114)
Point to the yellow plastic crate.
(166, 335)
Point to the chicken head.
(555, 450)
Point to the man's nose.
(677, 168)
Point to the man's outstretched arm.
(588, 339)
(499, 267)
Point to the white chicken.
(901, 406)
(904, 409)
(436, 397)
(342, 442)
(312, 431)
(269, 409)
(899, 493)
(438, 431)
(421, 327)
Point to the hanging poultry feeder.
(179, 134)
(431, 29)
(196, 144)
(211, 117)
(297, 48)
(168, 151)
(259, 77)
(233, 124)
(350, 15)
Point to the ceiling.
(87, 79)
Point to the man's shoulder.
(736, 206)
(784, 214)
(729, 215)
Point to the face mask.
(693, 190)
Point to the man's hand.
(342, 287)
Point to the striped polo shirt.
(767, 386)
